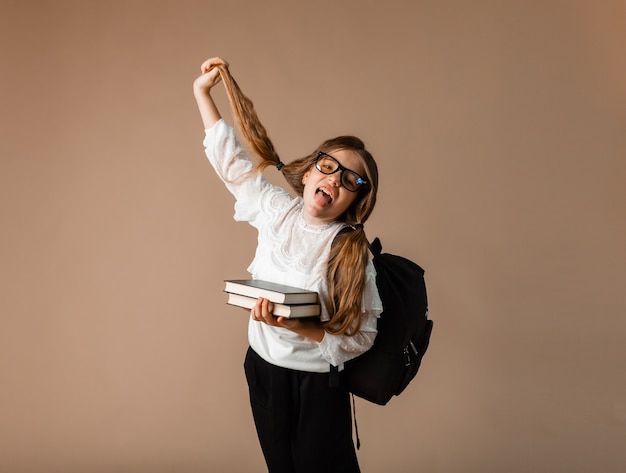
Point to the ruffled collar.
(313, 227)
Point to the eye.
(353, 179)
(327, 165)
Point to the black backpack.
(404, 331)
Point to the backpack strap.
(376, 247)
(356, 427)
(333, 382)
(333, 377)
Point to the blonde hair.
(348, 259)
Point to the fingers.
(211, 63)
(210, 75)
(262, 312)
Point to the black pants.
(303, 424)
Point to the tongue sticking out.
(322, 199)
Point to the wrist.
(307, 328)
(312, 329)
(201, 92)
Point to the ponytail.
(248, 122)
(346, 280)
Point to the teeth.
(327, 192)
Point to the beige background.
(500, 131)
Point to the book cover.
(277, 293)
(282, 310)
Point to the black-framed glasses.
(349, 179)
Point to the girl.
(303, 424)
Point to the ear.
(305, 177)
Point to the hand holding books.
(287, 301)
(309, 327)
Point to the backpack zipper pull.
(407, 356)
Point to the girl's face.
(325, 199)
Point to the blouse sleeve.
(337, 349)
(226, 155)
(234, 167)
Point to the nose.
(335, 179)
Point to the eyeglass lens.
(349, 179)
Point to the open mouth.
(324, 196)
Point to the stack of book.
(288, 301)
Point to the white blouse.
(289, 251)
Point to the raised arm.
(202, 91)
